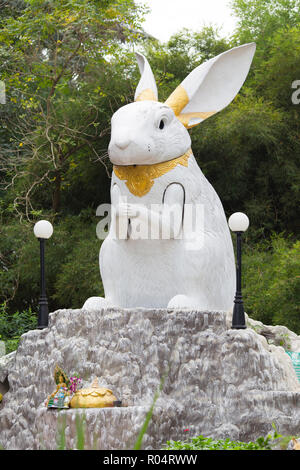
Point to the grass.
(205, 443)
(80, 431)
(61, 432)
(208, 443)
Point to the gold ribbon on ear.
(146, 95)
(178, 101)
(185, 118)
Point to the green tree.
(272, 283)
(49, 59)
(259, 20)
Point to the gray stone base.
(219, 382)
(104, 428)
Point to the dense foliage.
(208, 443)
(204, 443)
(13, 326)
(272, 282)
(67, 66)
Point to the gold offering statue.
(93, 397)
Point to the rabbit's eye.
(161, 124)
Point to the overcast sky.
(169, 16)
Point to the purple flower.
(74, 383)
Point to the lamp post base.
(238, 317)
(43, 314)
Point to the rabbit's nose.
(122, 143)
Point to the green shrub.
(208, 443)
(205, 443)
(12, 327)
(271, 282)
(79, 275)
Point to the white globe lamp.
(238, 222)
(43, 229)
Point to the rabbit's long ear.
(146, 89)
(210, 87)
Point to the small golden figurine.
(60, 398)
(93, 397)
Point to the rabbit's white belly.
(140, 273)
(149, 273)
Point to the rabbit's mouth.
(131, 156)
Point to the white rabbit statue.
(156, 186)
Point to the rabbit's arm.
(167, 222)
(172, 213)
(119, 219)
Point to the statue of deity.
(60, 398)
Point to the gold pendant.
(140, 178)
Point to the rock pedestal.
(218, 382)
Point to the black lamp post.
(238, 223)
(43, 230)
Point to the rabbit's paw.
(96, 303)
(183, 301)
(127, 210)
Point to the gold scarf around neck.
(140, 178)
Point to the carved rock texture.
(218, 382)
(6, 364)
